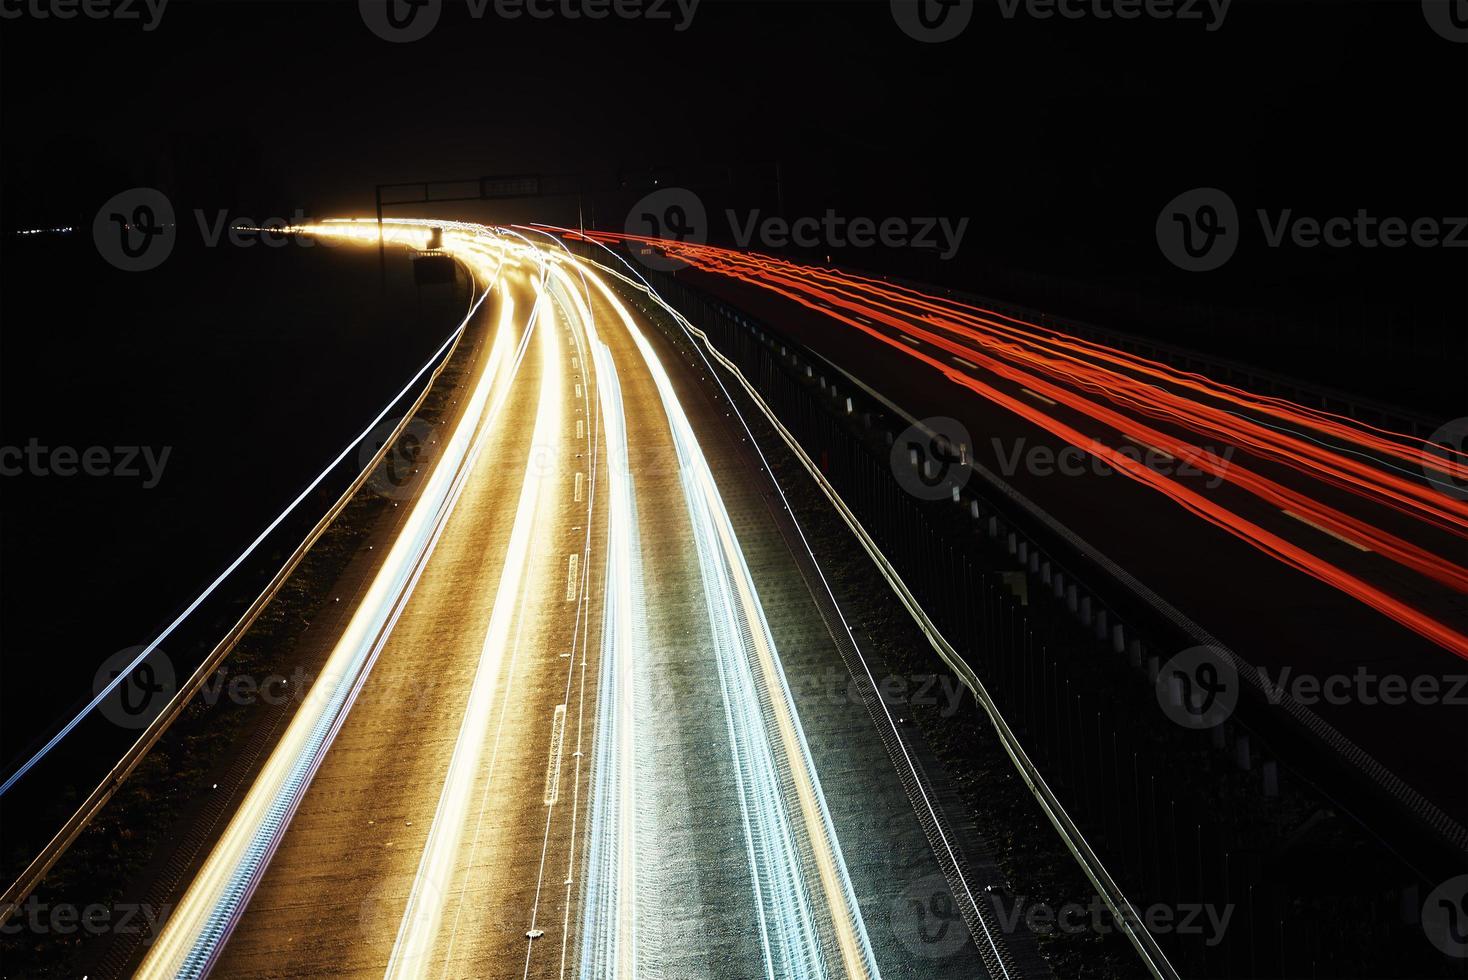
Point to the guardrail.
(1028, 615)
(17, 891)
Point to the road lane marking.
(553, 766)
(580, 480)
(580, 429)
(211, 906)
(578, 391)
(423, 918)
(1037, 395)
(911, 340)
(1325, 530)
(731, 595)
(968, 364)
(609, 915)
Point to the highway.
(1309, 543)
(567, 728)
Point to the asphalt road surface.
(1331, 557)
(592, 720)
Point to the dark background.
(1060, 141)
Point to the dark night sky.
(1060, 140)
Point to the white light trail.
(423, 917)
(764, 727)
(196, 931)
(609, 918)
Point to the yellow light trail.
(423, 917)
(195, 932)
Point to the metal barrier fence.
(1183, 820)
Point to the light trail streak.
(582, 325)
(609, 911)
(1000, 345)
(123, 674)
(1340, 467)
(892, 298)
(198, 928)
(758, 706)
(423, 917)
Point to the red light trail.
(1068, 371)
